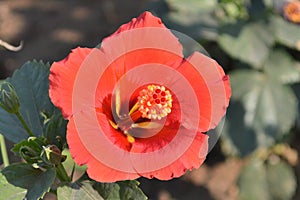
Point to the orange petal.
(211, 86)
(145, 37)
(62, 78)
(130, 61)
(192, 158)
(90, 144)
(96, 169)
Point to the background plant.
(259, 46)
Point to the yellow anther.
(130, 138)
(115, 126)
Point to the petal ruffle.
(62, 78)
(146, 19)
(96, 169)
(191, 159)
(142, 33)
(103, 171)
(211, 86)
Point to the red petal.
(62, 78)
(156, 142)
(145, 32)
(116, 137)
(192, 158)
(211, 86)
(106, 163)
(96, 169)
(142, 58)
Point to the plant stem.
(73, 171)
(4, 151)
(24, 124)
(62, 173)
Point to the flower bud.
(9, 100)
(29, 154)
(52, 154)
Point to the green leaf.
(21, 174)
(30, 149)
(130, 190)
(123, 190)
(265, 110)
(248, 42)
(192, 6)
(76, 191)
(193, 18)
(41, 185)
(9, 191)
(286, 32)
(281, 179)
(109, 191)
(31, 84)
(282, 67)
(271, 110)
(237, 138)
(270, 106)
(267, 181)
(296, 89)
(253, 182)
(55, 128)
(36, 181)
(200, 27)
(269, 3)
(256, 8)
(243, 81)
(232, 11)
(69, 164)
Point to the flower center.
(155, 102)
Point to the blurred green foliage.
(259, 48)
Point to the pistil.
(153, 102)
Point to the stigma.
(155, 102)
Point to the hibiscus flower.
(292, 11)
(136, 107)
